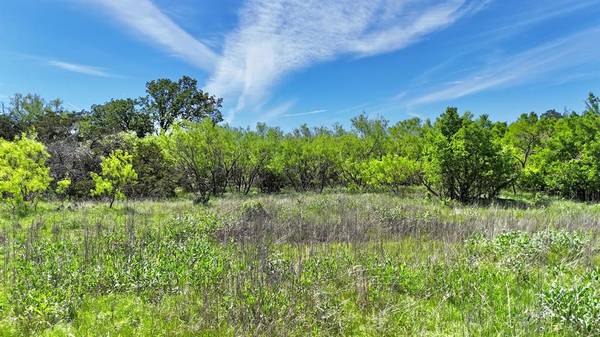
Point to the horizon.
(288, 63)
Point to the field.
(333, 264)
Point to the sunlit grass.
(295, 265)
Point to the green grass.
(302, 264)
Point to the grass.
(302, 264)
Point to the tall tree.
(169, 101)
(118, 115)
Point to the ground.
(334, 264)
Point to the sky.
(289, 62)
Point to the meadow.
(332, 264)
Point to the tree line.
(173, 140)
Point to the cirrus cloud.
(276, 37)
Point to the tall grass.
(302, 265)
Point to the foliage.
(574, 300)
(390, 173)
(23, 171)
(120, 115)
(62, 187)
(157, 177)
(169, 101)
(458, 157)
(198, 153)
(117, 174)
(463, 161)
(252, 266)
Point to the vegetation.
(292, 265)
(178, 143)
(117, 174)
(23, 173)
(458, 226)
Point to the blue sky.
(287, 62)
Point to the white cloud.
(147, 20)
(572, 51)
(306, 113)
(80, 68)
(276, 111)
(276, 37)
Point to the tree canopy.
(173, 140)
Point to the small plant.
(117, 174)
(62, 187)
(575, 305)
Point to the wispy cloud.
(563, 54)
(148, 21)
(537, 15)
(276, 111)
(276, 37)
(80, 68)
(306, 113)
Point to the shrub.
(117, 174)
(23, 171)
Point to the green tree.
(592, 104)
(524, 137)
(118, 115)
(391, 172)
(569, 162)
(23, 171)
(406, 138)
(169, 101)
(257, 149)
(463, 162)
(9, 128)
(200, 155)
(156, 175)
(373, 134)
(308, 162)
(117, 174)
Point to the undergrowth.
(333, 265)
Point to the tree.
(26, 109)
(257, 149)
(189, 147)
(524, 136)
(70, 159)
(406, 138)
(592, 104)
(373, 134)
(9, 128)
(118, 115)
(308, 162)
(23, 171)
(463, 162)
(391, 172)
(169, 101)
(31, 113)
(117, 174)
(156, 175)
(569, 162)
